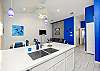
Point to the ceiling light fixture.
(11, 11)
(46, 20)
(58, 10)
(24, 9)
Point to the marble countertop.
(18, 59)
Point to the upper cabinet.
(89, 14)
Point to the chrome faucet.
(36, 43)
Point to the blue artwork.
(17, 30)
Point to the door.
(90, 37)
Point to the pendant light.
(11, 11)
(46, 20)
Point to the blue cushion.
(18, 44)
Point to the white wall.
(77, 20)
(31, 24)
(0, 23)
(0, 10)
(77, 26)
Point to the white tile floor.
(84, 61)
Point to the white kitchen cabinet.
(60, 66)
(41, 67)
(62, 62)
(51, 69)
(37, 69)
(70, 63)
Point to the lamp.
(46, 20)
(11, 11)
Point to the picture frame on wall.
(57, 31)
(17, 30)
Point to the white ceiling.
(65, 7)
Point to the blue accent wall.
(82, 24)
(89, 13)
(69, 30)
(97, 29)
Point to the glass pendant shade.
(46, 20)
(10, 12)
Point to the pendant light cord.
(11, 3)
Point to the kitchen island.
(18, 59)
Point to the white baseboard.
(97, 62)
(90, 53)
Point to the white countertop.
(18, 60)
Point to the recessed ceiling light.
(58, 10)
(24, 9)
(71, 12)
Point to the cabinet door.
(41, 67)
(36, 69)
(60, 66)
(70, 63)
(51, 69)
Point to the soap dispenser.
(37, 45)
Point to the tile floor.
(84, 61)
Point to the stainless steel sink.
(37, 54)
(42, 53)
(50, 50)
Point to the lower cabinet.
(60, 66)
(57, 67)
(51, 69)
(41, 67)
(63, 62)
(70, 63)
